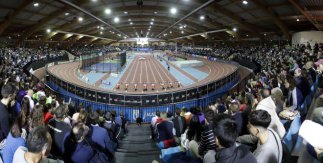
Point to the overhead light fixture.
(152, 19)
(234, 29)
(125, 12)
(182, 32)
(150, 26)
(170, 32)
(130, 23)
(48, 30)
(101, 33)
(36, 4)
(107, 11)
(66, 13)
(184, 26)
(202, 17)
(148, 29)
(180, 27)
(80, 19)
(155, 12)
(265, 34)
(94, 0)
(297, 19)
(245, 2)
(173, 10)
(116, 19)
(151, 23)
(102, 28)
(119, 35)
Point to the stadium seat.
(290, 138)
(171, 153)
(303, 109)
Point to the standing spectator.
(8, 94)
(15, 138)
(302, 82)
(39, 142)
(37, 117)
(58, 129)
(179, 123)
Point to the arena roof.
(108, 20)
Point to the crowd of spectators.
(248, 126)
(87, 50)
(36, 126)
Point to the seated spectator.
(269, 147)
(165, 130)
(227, 152)
(269, 104)
(207, 136)
(100, 136)
(237, 117)
(319, 153)
(39, 144)
(58, 129)
(76, 148)
(192, 136)
(15, 139)
(294, 99)
(110, 126)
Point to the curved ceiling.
(119, 19)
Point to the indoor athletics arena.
(161, 81)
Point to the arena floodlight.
(116, 20)
(173, 10)
(107, 11)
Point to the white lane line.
(135, 73)
(147, 80)
(140, 76)
(129, 69)
(163, 69)
(156, 69)
(150, 69)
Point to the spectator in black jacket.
(179, 123)
(58, 129)
(8, 92)
(227, 152)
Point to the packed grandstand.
(273, 104)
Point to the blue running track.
(195, 72)
(94, 76)
(178, 75)
(114, 80)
